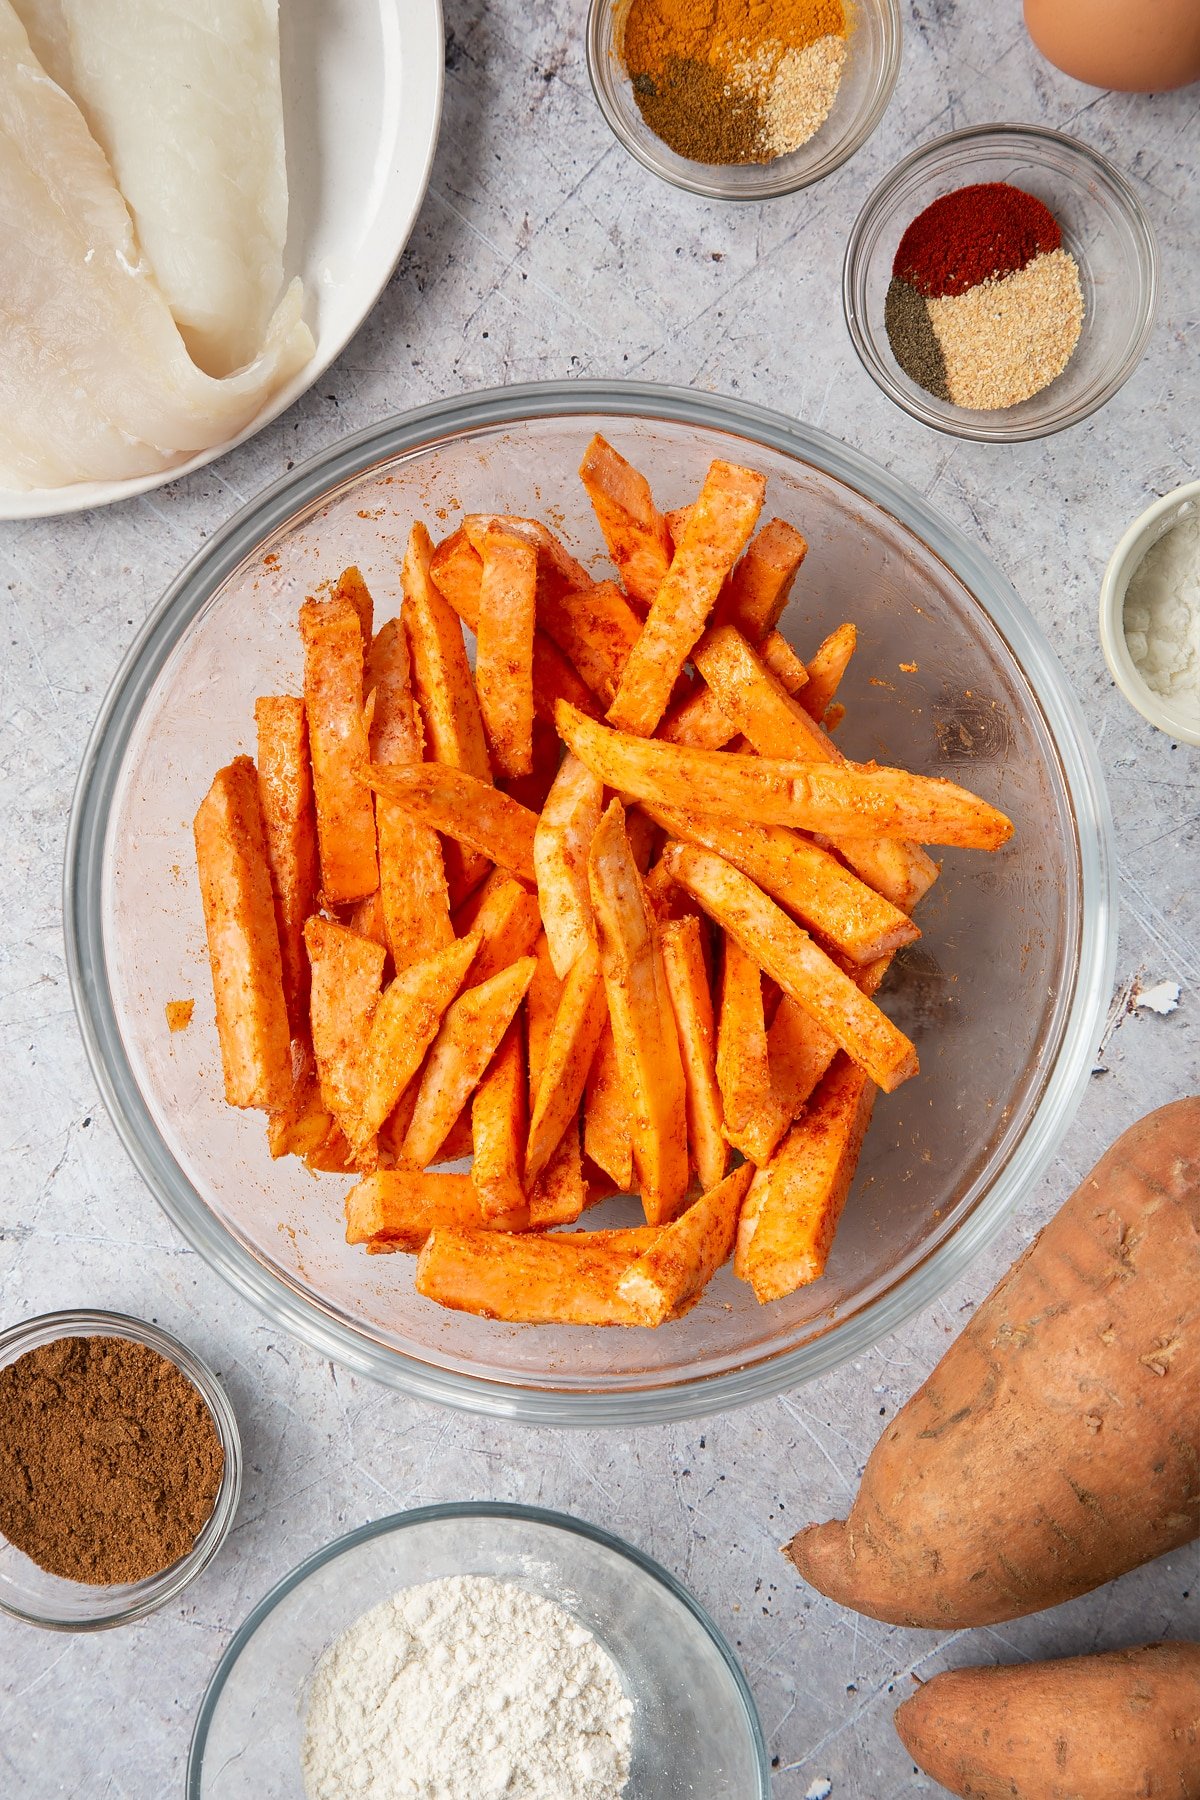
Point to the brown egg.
(1139, 46)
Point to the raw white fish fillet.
(95, 381)
(184, 98)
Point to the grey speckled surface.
(544, 251)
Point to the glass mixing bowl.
(1104, 227)
(1004, 992)
(695, 1729)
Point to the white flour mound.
(467, 1689)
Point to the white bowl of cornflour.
(1150, 614)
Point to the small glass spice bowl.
(1103, 227)
(1146, 530)
(696, 1731)
(872, 66)
(34, 1595)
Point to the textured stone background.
(544, 251)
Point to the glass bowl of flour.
(478, 1652)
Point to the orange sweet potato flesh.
(337, 735)
(1125, 1723)
(243, 940)
(286, 797)
(1054, 1446)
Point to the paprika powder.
(734, 81)
(985, 307)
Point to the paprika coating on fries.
(454, 912)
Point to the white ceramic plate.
(362, 98)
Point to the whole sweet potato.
(1057, 1443)
(1125, 1723)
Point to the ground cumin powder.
(734, 81)
(110, 1461)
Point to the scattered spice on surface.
(179, 1014)
(985, 307)
(110, 1462)
(734, 81)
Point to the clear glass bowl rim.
(469, 1509)
(307, 1318)
(770, 188)
(155, 1590)
(854, 277)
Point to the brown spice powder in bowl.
(110, 1461)
(734, 81)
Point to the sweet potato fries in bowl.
(644, 889)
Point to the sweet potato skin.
(1073, 1387)
(1079, 1728)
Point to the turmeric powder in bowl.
(734, 81)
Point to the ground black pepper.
(110, 1462)
(914, 343)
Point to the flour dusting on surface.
(467, 1689)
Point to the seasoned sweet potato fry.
(403, 1025)
(607, 1134)
(440, 672)
(687, 1254)
(578, 1025)
(464, 1046)
(541, 1009)
(826, 669)
(498, 1122)
(558, 1196)
(595, 628)
(778, 656)
(718, 526)
(456, 570)
(754, 1121)
(560, 858)
(445, 691)
(634, 530)
(811, 796)
(460, 806)
(305, 1127)
(290, 825)
(506, 922)
(793, 1208)
(556, 1280)
(691, 1002)
(346, 974)
(396, 1209)
(799, 1051)
(643, 1023)
(413, 895)
(504, 649)
(556, 565)
(827, 898)
(337, 737)
(755, 701)
(699, 720)
(778, 726)
(243, 940)
(351, 587)
(757, 592)
(788, 955)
